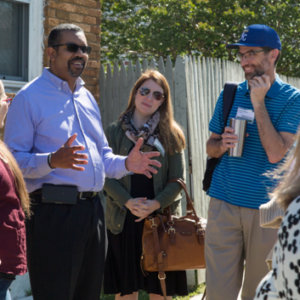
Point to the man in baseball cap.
(236, 246)
(258, 41)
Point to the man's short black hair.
(268, 49)
(54, 36)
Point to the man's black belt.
(86, 195)
(38, 196)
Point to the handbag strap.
(189, 203)
(160, 259)
(161, 254)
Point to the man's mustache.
(76, 59)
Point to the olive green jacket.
(117, 192)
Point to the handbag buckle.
(200, 230)
(162, 276)
(153, 225)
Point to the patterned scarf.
(149, 131)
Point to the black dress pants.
(66, 247)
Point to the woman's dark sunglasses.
(156, 94)
(71, 47)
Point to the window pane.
(14, 40)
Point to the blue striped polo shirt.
(242, 181)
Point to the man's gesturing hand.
(141, 162)
(66, 157)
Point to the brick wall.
(86, 14)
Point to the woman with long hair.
(130, 200)
(283, 281)
(14, 205)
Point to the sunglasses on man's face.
(71, 47)
(156, 94)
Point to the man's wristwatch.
(49, 160)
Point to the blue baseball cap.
(258, 35)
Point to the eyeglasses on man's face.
(72, 47)
(144, 91)
(249, 54)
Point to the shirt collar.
(272, 92)
(58, 82)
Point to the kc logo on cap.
(258, 35)
(244, 36)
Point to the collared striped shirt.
(242, 181)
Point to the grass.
(144, 296)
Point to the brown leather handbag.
(172, 243)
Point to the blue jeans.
(4, 292)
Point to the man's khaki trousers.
(235, 246)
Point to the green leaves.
(135, 29)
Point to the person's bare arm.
(276, 144)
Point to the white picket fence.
(195, 86)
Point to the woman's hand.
(135, 204)
(142, 207)
(147, 208)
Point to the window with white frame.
(21, 46)
(14, 40)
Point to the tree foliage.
(134, 29)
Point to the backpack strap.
(228, 97)
(211, 162)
